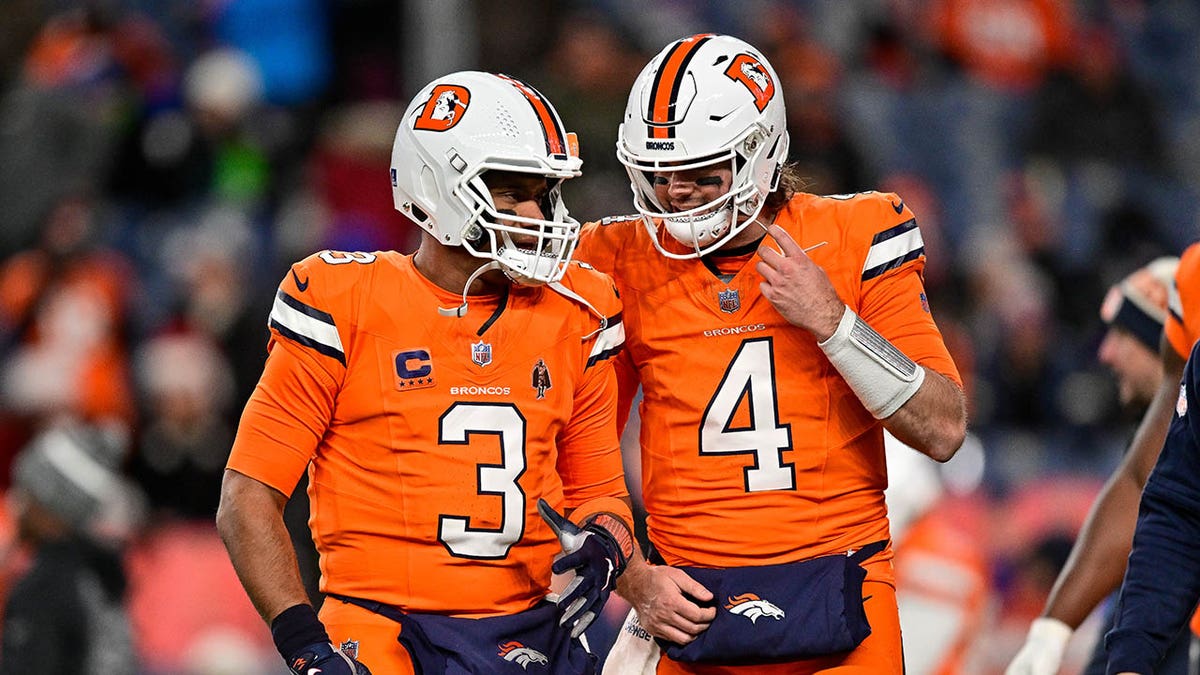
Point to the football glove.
(323, 659)
(1043, 650)
(597, 558)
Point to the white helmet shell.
(703, 100)
(457, 128)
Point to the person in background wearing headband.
(1134, 311)
(1148, 321)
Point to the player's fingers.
(769, 274)
(787, 245)
(583, 623)
(690, 586)
(572, 609)
(676, 634)
(563, 528)
(769, 255)
(570, 592)
(696, 614)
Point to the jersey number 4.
(456, 427)
(742, 418)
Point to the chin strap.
(572, 295)
(461, 311)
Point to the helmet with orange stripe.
(704, 101)
(458, 128)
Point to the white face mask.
(697, 231)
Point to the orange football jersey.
(428, 439)
(754, 449)
(1182, 326)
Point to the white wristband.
(881, 375)
(1050, 631)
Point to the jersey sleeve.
(589, 454)
(892, 296)
(600, 243)
(1162, 582)
(293, 403)
(1182, 327)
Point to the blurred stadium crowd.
(163, 161)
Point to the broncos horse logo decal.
(753, 607)
(522, 655)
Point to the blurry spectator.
(824, 155)
(587, 71)
(1094, 150)
(1019, 365)
(63, 308)
(187, 386)
(1090, 108)
(349, 166)
(211, 264)
(1008, 44)
(67, 614)
(59, 123)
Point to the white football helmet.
(459, 127)
(703, 100)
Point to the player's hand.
(1043, 650)
(324, 659)
(797, 287)
(670, 604)
(597, 559)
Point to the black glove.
(597, 558)
(301, 639)
(323, 659)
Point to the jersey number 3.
(505, 421)
(742, 418)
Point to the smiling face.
(683, 190)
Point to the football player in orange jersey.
(440, 402)
(1098, 560)
(774, 334)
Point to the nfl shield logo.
(481, 353)
(729, 301)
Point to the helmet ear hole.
(417, 213)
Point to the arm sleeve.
(1162, 582)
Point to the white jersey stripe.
(310, 325)
(609, 341)
(894, 248)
